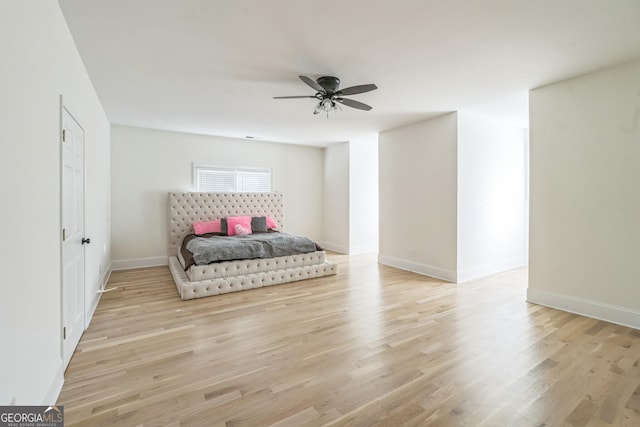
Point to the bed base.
(202, 288)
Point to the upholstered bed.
(231, 276)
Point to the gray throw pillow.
(259, 224)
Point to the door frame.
(65, 107)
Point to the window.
(215, 179)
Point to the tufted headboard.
(187, 208)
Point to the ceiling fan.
(328, 94)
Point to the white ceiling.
(213, 66)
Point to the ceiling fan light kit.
(328, 94)
(325, 106)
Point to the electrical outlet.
(104, 248)
(13, 401)
(412, 253)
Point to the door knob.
(85, 240)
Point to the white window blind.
(221, 180)
(255, 181)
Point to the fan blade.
(353, 104)
(291, 97)
(353, 90)
(312, 83)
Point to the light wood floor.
(370, 346)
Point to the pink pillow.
(207, 227)
(241, 231)
(232, 221)
(271, 223)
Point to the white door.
(72, 234)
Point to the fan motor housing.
(329, 83)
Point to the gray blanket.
(264, 245)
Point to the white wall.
(336, 198)
(147, 164)
(351, 196)
(363, 194)
(452, 199)
(418, 181)
(585, 187)
(491, 197)
(40, 62)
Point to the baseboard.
(597, 310)
(427, 270)
(55, 387)
(128, 264)
(488, 270)
(107, 276)
(333, 247)
(92, 309)
(96, 300)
